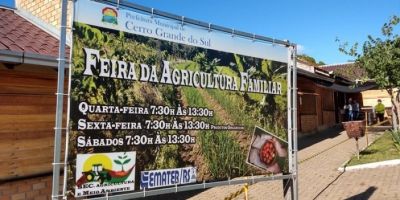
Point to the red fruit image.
(268, 152)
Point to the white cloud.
(300, 49)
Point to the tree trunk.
(395, 97)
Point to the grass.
(227, 71)
(382, 149)
(235, 106)
(243, 113)
(189, 65)
(223, 154)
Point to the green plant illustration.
(122, 160)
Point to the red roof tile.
(350, 71)
(334, 67)
(18, 34)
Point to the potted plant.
(354, 129)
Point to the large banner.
(155, 103)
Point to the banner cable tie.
(58, 163)
(57, 93)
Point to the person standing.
(356, 109)
(380, 110)
(350, 107)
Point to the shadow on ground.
(335, 131)
(368, 152)
(309, 140)
(175, 196)
(378, 128)
(364, 195)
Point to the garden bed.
(381, 150)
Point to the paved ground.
(319, 178)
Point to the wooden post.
(246, 190)
(366, 125)
(358, 150)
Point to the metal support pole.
(59, 104)
(295, 146)
(292, 126)
(287, 186)
(71, 19)
(289, 108)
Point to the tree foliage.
(380, 57)
(309, 59)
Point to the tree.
(380, 57)
(309, 59)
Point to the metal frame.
(292, 120)
(292, 109)
(186, 20)
(204, 185)
(289, 116)
(68, 108)
(292, 63)
(55, 194)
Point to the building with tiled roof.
(321, 97)
(351, 71)
(333, 67)
(23, 42)
(28, 59)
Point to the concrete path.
(319, 177)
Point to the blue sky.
(312, 24)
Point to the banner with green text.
(155, 103)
